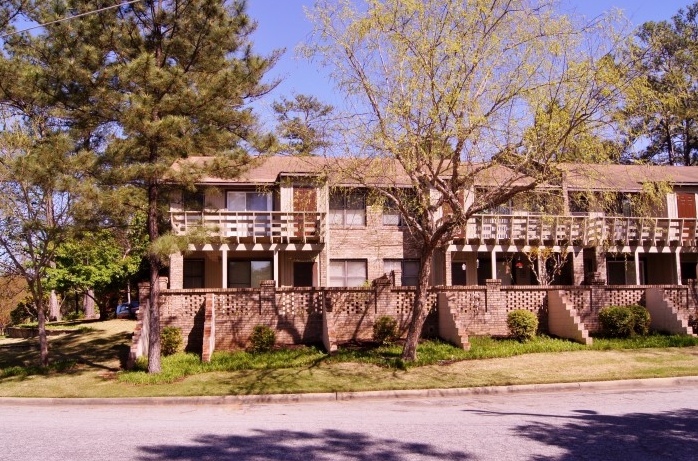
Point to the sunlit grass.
(179, 366)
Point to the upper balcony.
(579, 230)
(253, 226)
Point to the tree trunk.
(43, 340)
(154, 348)
(88, 303)
(420, 307)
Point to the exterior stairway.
(562, 320)
(665, 316)
(451, 327)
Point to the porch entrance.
(303, 273)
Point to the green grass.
(432, 352)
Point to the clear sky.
(283, 24)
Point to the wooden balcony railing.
(580, 230)
(253, 226)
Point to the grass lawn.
(88, 363)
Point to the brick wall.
(304, 315)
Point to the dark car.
(127, 310)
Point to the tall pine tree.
(146, 84)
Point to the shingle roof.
(625, 177)
(268, 170)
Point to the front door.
(686, 205)
(304, 200)
(303, 273)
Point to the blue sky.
(282, 24)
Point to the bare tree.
(449, 95)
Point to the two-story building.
(288, 219)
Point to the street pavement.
(641, 420)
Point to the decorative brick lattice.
(580, 298)
(530, 300)
(678, 297)
(626, 296)
(465, 302)
(184, 307)
(405, 298)
(297, 302)
(236, 304)
(349, 302)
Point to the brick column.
(397, 274)
(577, 265)
(599, 298)
(140, 339)
(267, 297)
(448, 259)
(209, 342)
(384, 306)
(496, 307)
(176, 271)
(600, 273)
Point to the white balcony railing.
(581, 230)
(242, 226)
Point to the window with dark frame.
(248, 273)
(193, 273)
(347, 208)
(409, 269)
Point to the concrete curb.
(631, 384)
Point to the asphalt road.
(645, 424)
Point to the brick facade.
(224, 319)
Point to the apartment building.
(288, 220)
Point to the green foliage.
(385, 330)
(170, 340)
(641, 319)
(301, 124)
(624, 321)
(522, 325)
(24, 312)
(72, 315)
(660, 105)
(262, 339)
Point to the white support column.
(677, 252)
(224, 267)
(494, 264)
(276, 267)
(637, 267)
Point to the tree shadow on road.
(296, 445)
(638, 436)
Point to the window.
(248, 274)
(193, 200)
(193, 273)
(347, 273)
(347, 208)
(409, 269)
(391, 214)
(249, 201)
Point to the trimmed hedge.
(170, 340)
(262, 339)
(624, 321)
(385, 330)
(522, 324)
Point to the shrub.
(262, 339)
(641, 319)
(522, 324)
(385, 330)
(624, 321)
(70, 316)
(170, 340)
